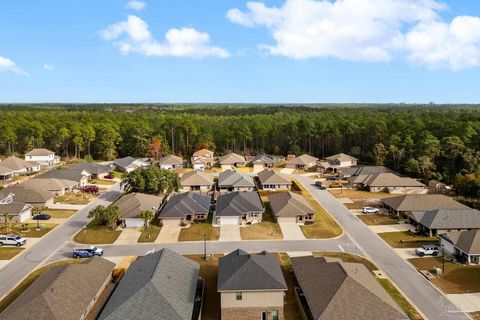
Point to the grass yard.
(58, 213)
(324, 226)
(404, 239)
(377, 219)
(30, 230)
(102, 182)
(361, 198)
(267, 229)
(291, 309)
(95, 234)
(400, 299)
(7, 253)
(475, 315)
(197, 229)
(19, 289)
(457, 278)
(183, 170)
(150, 234)
(75, 198)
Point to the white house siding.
(449, 248)
(229, 220)
(287, 219)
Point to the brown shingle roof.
(132, 204)
(15, 163)
(171, 159)
(387, 180)
(341, 157)
(271, 177)
(304, 159)
(39, 152)
(422, 202)
(289, 204)
(196, 179)
(231, 158)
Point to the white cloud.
(366, 30)
(48, 67)
(133, 35)
(8, 65)
(136, 5)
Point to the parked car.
(87, 252)
(90, 189)
(12, 241)
(320, 185)
(427, 250)
(332, 178)
(41, 216)
(370, 210)
(109, 176)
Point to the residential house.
(132, 204)
(271, 180)
(171, 162)
(57, 186)
(388, 182)
(302, 162)
(66, 292)
(232, 180)
(231, 161)
(6, 174)
(238, 208)
(419, 202)
(462, 245)
(129, 164)
(438, 187)
(20, 166)
(345, 173)
(203, 159)
(443, 220)
(39, 199)
(332, 290)
(289, 207)
(96, 170)
(263, 161)
(17, 211)
(202, 154)
(43, 157)
(80, 176)
(251, 286)
(336, 162)
(161, 285)
(197, 181)
(185, 208)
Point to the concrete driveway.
(391, 228)
(168, 234)
(291, 231)
(230, 232)
(287, 171)
(468, 302)
(128, 236)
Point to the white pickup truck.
(12, 241)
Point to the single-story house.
(66, 292)
(345, 173)
(20, 166)
(238, 208)
(332, 290)
(19, 211)
(58, 186)
(96, 170)
(263, 161)
(202, 154)
(39, 199)
(162, 285)
(129, 164)
(302, 162)
(336, 162)
(290, 207)
(251, 286)
(271, 180)
(388, 182)
(231, 180)
(197, 181)
(185, 207)
(80, 176)
(463, 245)
(443, 220)
(43, 157)
(419, 202)
(132, 204)
(6, 174)
(231, 161)
(203, 159)
(438, 187)
(171, 162)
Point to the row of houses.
(164, 285)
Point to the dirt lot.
(361, 198)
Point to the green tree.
(151, 180)
(147, 217)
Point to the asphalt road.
(47, 247)
(434, 304)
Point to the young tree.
(147, 217)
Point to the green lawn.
(400, 299)
(377, 219)
(102, 181)
(75, 198)
(267, 229)
(58, 213)
(150, 234)
(95, 234)
(30, 230)
(197, 229)
(7, 253)
(404, 239)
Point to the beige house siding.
(399, 190)
(276, 186)
(252, 299)
(250, 313)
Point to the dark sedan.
(41, 216)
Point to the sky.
(217, 51)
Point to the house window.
(274, 315)
(238, 296)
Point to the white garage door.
(134, 223)
(287, 220)
(25, 215)
(171, 222)
(228, 220)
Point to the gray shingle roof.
(240, 271)
(132, 204)
(26, 195)
(364, 170)
(387, 180)
(448, 218)
(160, 286)
(93, 167)
(341, 157)
(171, 159)
(124, 162)
(4, 171)
(304, 159)
(196, 179)
(467, 241)
(264, 159)
(15, 163)
(289, 204)
(65, 174)
(232, 178)
(14, 208)
(231, 158)
(50, 184)
(422, 202)
(338, 291)
(39, 152)
(271, 177)
(236, 204)
(183, 204)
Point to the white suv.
(12, 241)
(370, 210)
(427, 250)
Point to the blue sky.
(279, 51)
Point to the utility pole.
(443, 259)
(205, 247)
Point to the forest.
(424, 141)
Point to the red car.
(109, 176)
(90, 189)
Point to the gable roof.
(304, 159)
(160, 286)
(202, 152)
(232, 178)
(58, 294)
(467, 241)
(340, 157)
(263, 159)
(171, 159)
(289, 204)
(5, 171)
(448, 218)
(14, 208)
(271, 177)
(422, 202)
(39, 152)
(338, 290)
(231, 158)
(364, 170)
(128, 161)
(186, 203)
(240, 271)
(49, 184)
(15, 163)
(132, 204)
(235, 204)
(65, 174)
(93, 167)
(27, 195)
(387, 180)
(196, 178)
